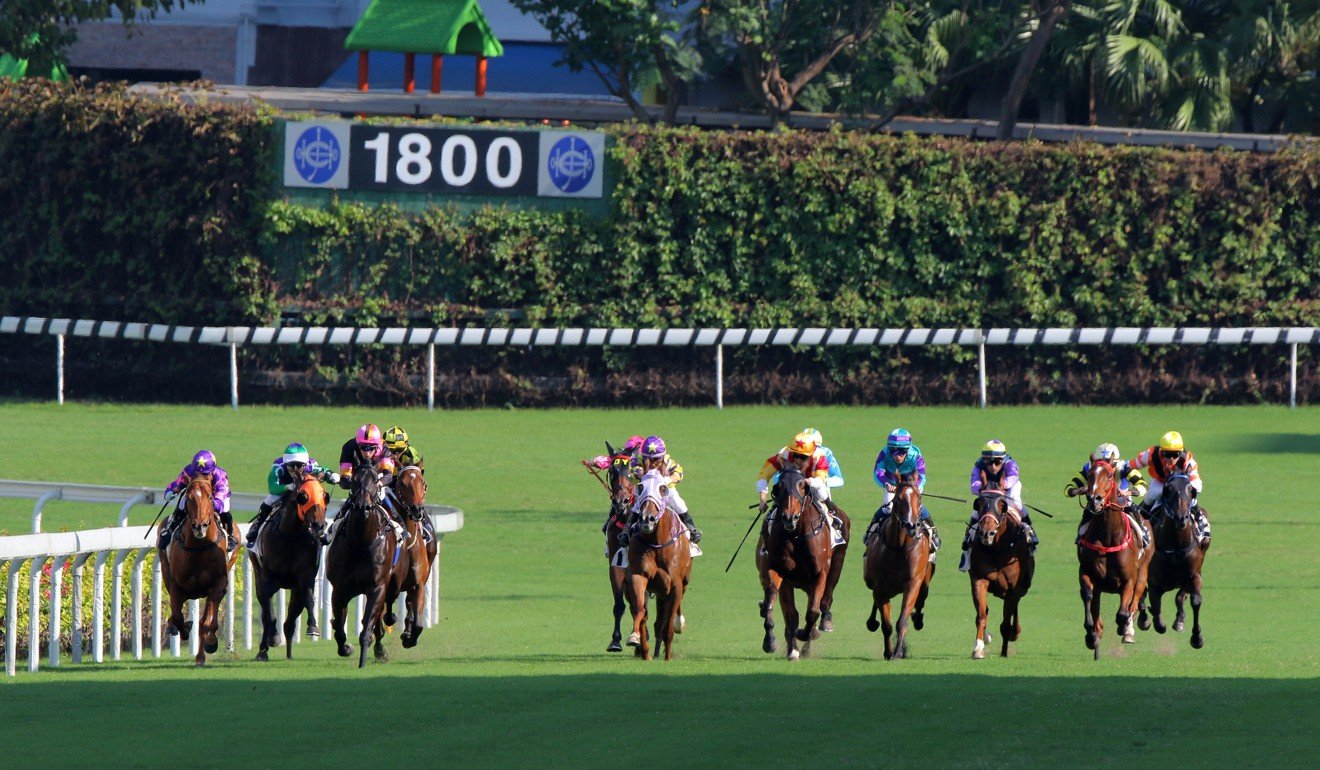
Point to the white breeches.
(272, 499)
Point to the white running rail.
(124, 547)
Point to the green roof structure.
(424, 26)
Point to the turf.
(516, 672)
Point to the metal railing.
(124, 547)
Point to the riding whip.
(152, 525)
(942, 497)
(1037, 510)
(744, 539)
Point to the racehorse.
(1001, 564)
(410, 489)
(196, 564)
(366, 559)
(659, 562)
(795, 551)
(898, 561)
(288, 550)
(1110, 557)
(621, 498)
(1176, 563)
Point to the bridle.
(415, 510)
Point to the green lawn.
(516, 669)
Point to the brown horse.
(365, 559)
(196, 565)
(410, 490)
(1110, 557)
(897, 562)
(771, 580)
(659, 562)
(621, 499)
(1176, 563)
(790, 549)
(290, 549)
(1001, 564)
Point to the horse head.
(1176, 500)
(411, 491)
(906, 507)
(654, 487)
(622, 491)
(790, 495)
(996, 517)
(365, 490)
(1102, 487)
(199, 505)
(310, 504)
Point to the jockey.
(367, 447)
(203, 464)
(1130, 483)
(1163, 461)
(900, 457)
(624, 456)
(811, 459)
(286, 475)
(995, 469)
(403, 452)
(651, 455)
(836, 473)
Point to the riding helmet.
(204, 461)
(396, 439)
(653, 447)
(994, 448)
(899, 439)
(296, 453)
(802, 444)
(1172, 442)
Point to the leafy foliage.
(40, 30)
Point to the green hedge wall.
(121, 208)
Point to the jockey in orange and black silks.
(653, 455)
(368, 447)
(1168, 457)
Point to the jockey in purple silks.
(995, 469)
(203, 464)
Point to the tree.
(41, 30)
(783, 45)
(629, 44)
(1047, 15)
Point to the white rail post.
(135, 623)
(56, 619)
(1292, 380)
(229, 613)
(430, 376)
(76, 633)
(11, 619)
(59, 368)
(281, 607)
(247, 603)
(195, 615)
(34, 612)
(233, 375)
(719, 376)
(117, 604)
(54, 494)
(980, 369)
(156, 580)
(98, 607)
(136, 499)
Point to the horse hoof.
(1160, 628)
(872, 625)
(794, 654)
(262, 656)
(345, 650)
(615, 646)
(171, 631)
(1178, 626)
(1129, 638)
(978, 654)
(1198, 641)
(826, 625)
(200, 664)
(634, 639)
(769, 645)
(313, 632)
(1143, 622)
(682, 625)
(918, 620)
(407, 641)
(802, 635)
(390, 618)
(1090, 641)
(211, 647)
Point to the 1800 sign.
(443, 160)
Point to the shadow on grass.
(599, 720)
(1273, 443)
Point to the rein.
(1107, 549)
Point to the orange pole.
(437, 67)
(362, 70)
(409, 68)
(481, 76)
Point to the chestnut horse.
(1176, 564)
(365, 559)
(794, 551)
(898, 562)
(1001, 564)
(1110, 557)
(659, 562)
(621, 499)
(287, 555)
(196, 564)
(410, 491)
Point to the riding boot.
(255, 526)
(877, 521)
(1032, 539)
(171, 523)
(1081, 528)
(227, 522)
(965, 561)
(1202, 527)
(694, 533)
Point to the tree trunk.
(1026, 66)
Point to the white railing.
(118, 548)
(235, 336)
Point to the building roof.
(424, 26)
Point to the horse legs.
(1009, 629)
(264, 592)
(297, 603)
(788, 606)
(1198, 641)
(886, 627)
(207, 628)
(1091, 615)
(637, 598)
(904, 617)
(373, 625)
(771, 589)
(617, 576)
(670, 617)
(918, 617)
(979, 588)
(1180, 620)
(176, 613)
(412, 627)
(338, 616)
(1126, 605)
(309, 603)
(832, 580)
(1156, 605)
(808, 631)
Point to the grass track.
(516, 669)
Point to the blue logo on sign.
(571, 164)
(316, 155)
